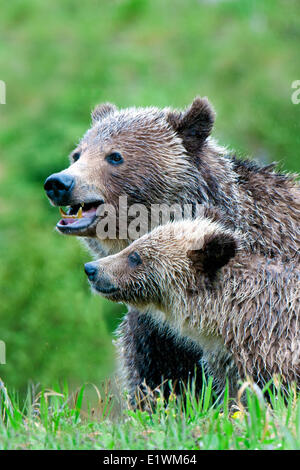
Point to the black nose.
(58, 188)
(91, 271)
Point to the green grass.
(54, 420)
(58, 60)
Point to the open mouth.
(79, 218)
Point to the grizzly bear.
(167, 156)
(243, 314)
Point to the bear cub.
(193, 275)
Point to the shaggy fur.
(170, 157)
(248, 311)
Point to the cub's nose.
(91, 271)
(101, 281)
(58, 188)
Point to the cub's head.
(172, 261)
(140, 153)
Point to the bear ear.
(102, 110)
(195, 124)
(216, 252)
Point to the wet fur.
(172, 158)
(243, 313)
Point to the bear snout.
(58, 188)
(100, 280)
(91, 271)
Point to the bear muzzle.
(99, 279)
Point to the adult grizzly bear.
(243, 313)
(154, 156)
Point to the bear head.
(145, 154)
(166, 265)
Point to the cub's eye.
(114, 158)
(134, 259)
(75, 156)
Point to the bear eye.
(134, 259)
(114, 158)
(75, 156)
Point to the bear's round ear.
(217, 250)
(102, 110)
(195, 124)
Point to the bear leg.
(152, 354)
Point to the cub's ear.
(217, 250)
(195, 124)
(102, 110)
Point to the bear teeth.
(75, 216)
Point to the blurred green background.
(58, 60)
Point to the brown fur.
(248, 311)
(170, 157)
(168, 161)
